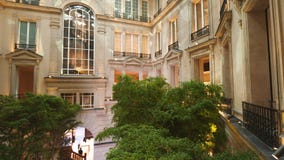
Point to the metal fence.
(262, 122)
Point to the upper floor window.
(145, 44)
(27, 35)
(200, 15)
(158, 41)
(117, 41)
(144, 10)
(33, 2)
(117, 8)
(131, 9)
(78, 45)
(173, 31)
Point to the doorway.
(25, 80)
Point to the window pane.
(144, 44)
(32, 33)
(81, 39)
(128, 42)
(135, 43)
(117, 41)
(23, 32)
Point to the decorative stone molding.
(54, 23)
(224, 25)
(238, 5)
(249, 5)
(201, 45)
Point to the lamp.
(279, 152)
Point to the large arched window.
(78, 45)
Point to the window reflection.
(78, 52)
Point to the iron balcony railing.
(262, 122)
(200, 33)
(118, 14)
(173, 46)
(25, 46)
(158, 53)
(223, 8)
(32, 2)
(131, 54)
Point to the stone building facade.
(76, 49)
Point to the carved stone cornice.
(203, 45)
(225, 24)
(249, 5)
(238, 5)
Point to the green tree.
(147, 142)
(192, 111)
(136, 100)
(34, 127)
(154, 121)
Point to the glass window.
(78, 44)
(145, 9)
(27, 36)
(135, 43)
(70, 97)
(127, 9)
(127, 42)
(200, 15)
(33, 2)
(144, 44)
(173, 26)
(117, 41)
(117, 9)
(158, 41)
(135, 9)
(87, 100)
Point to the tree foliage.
(34, 127)
(155, 121)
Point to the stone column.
(100, 98)
(54, 49)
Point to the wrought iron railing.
(25, 46)
(131, 54)
(200, 33)
(262, 122)
(158, 53)
(223, 8)
(77, 156)
(145, 55)
(173, 46)
(118, 14)
(32, 2)
(227, 105)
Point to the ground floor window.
(85, 100)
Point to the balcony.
(117, 54)
(118, 14)
(32, 2)
(158, 53)
(200, 33)
(31, 47)
(173, 46)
